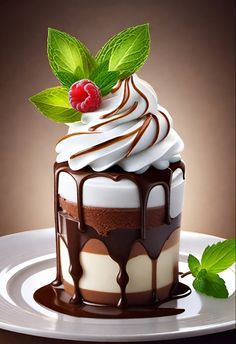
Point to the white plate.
(27, 262)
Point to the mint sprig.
(68, 78)
(127, 51)
(216, 258)
(210, 284)
(71, 61)
(67, 54)
(54, 104)
(104, 78)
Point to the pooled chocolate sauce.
(57, 299)
(119, 243)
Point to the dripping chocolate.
(118, 242)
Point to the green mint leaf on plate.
(216, 258)
(127, 51)
(219, 257)
(66, 54)
(54, 104)
(194, 265)
(210, 284)
(104, 78)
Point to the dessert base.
(64, 298)
(155, 232)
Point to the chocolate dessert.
(119, 183)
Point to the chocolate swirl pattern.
(130, 129)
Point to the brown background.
(191, 66)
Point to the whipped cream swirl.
(130, 129)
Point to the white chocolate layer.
(100, 271)
(104, 192)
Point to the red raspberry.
(85, 96)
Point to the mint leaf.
(66, 54)
(104, 78)
(218, 257)
(194, 265)
(54, 104)
(127, 51)
(67, 78)
(210, 284)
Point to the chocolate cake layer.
(97, 247)
(105, 219)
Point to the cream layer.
(100, 271)
(99, 192)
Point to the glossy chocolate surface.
(119, 243)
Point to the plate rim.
(45, 333)
(192, 332)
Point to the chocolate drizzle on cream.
(168, 123)
(122, 104)
(119, 243)
(75, 134)
(117, 87)
(137, 133)
(130, 122)
(126, 96)
(121, 115)
(115, 115)
(142, 96)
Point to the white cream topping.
(130, 129)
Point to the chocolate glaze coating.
(119, 243)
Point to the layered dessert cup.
(112, 247)
(119, 181)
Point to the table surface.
(7, 337)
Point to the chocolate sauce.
(168, 123)
(125, 99)
(142, 95)
(123, 102)
(114, 115)
(119, 243)
(104, 144)
(140, 134)
(58, 300)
